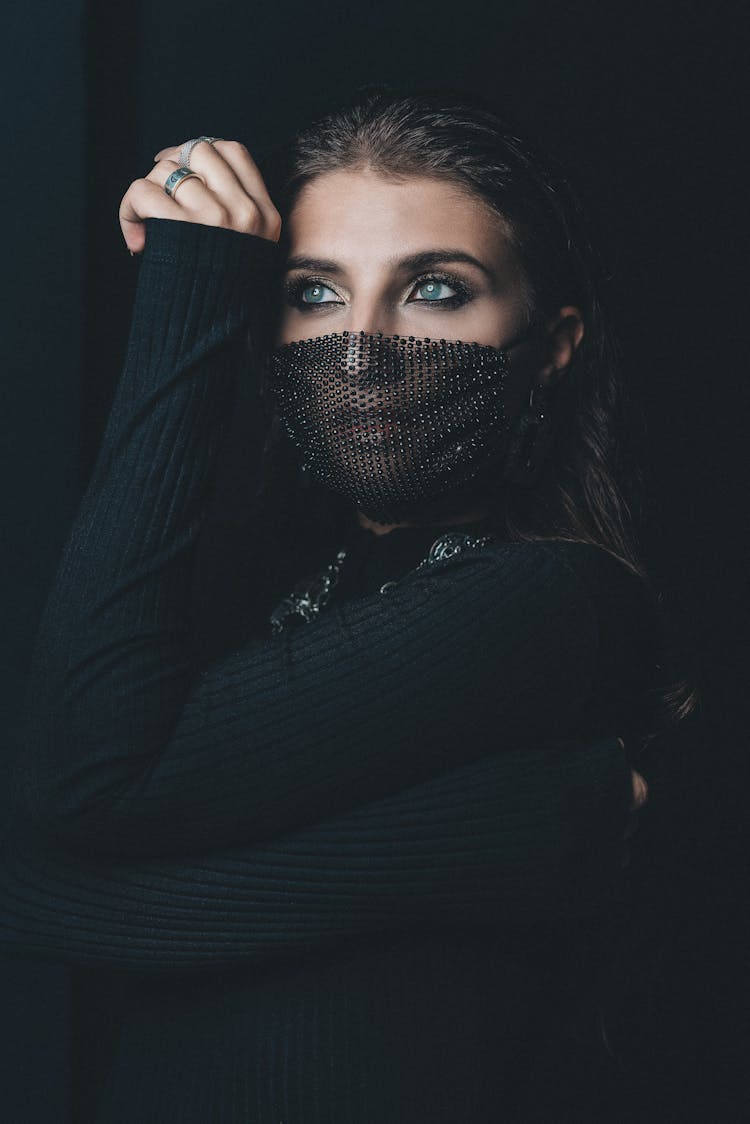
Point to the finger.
(244, 209)
(145, 199)
(248, 173)
(171, 151)
(194, 197)
(232, 172)
(191, 194)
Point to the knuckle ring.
(177, 177)
(188, 147)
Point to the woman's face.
(419, 257)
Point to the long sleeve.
(134, 750)
(515, 839)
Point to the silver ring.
(174, 179)
(188, 147)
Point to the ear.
(564, 334)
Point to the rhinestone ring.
(188, 147)
(177, 177)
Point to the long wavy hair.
(591, 486)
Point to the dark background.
(644, 105)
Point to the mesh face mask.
(392, 422)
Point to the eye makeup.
(294, 288)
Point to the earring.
(530, 438)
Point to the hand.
(640, 796)
(233, 194)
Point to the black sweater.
(336, 862)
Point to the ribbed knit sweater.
(342, 865)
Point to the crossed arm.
(516, 839)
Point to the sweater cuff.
(191, 244)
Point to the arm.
(135, 750)
(522, 837)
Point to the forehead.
(350, 212)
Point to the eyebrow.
(421, 260)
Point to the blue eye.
(434, 283)
(432, 286)
(316, 287)
(296, 292)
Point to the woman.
(347, 849)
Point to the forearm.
(113, 662)
(514, 840)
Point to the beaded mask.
(392, 421)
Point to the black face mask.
(393, 422)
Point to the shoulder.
(574, 561)
(611, 584)
(580, 575)
(620, 602)
(593, 565)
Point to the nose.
(371, 316)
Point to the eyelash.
(294, 289)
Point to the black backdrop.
(643, 103)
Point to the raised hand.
(227, 191)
